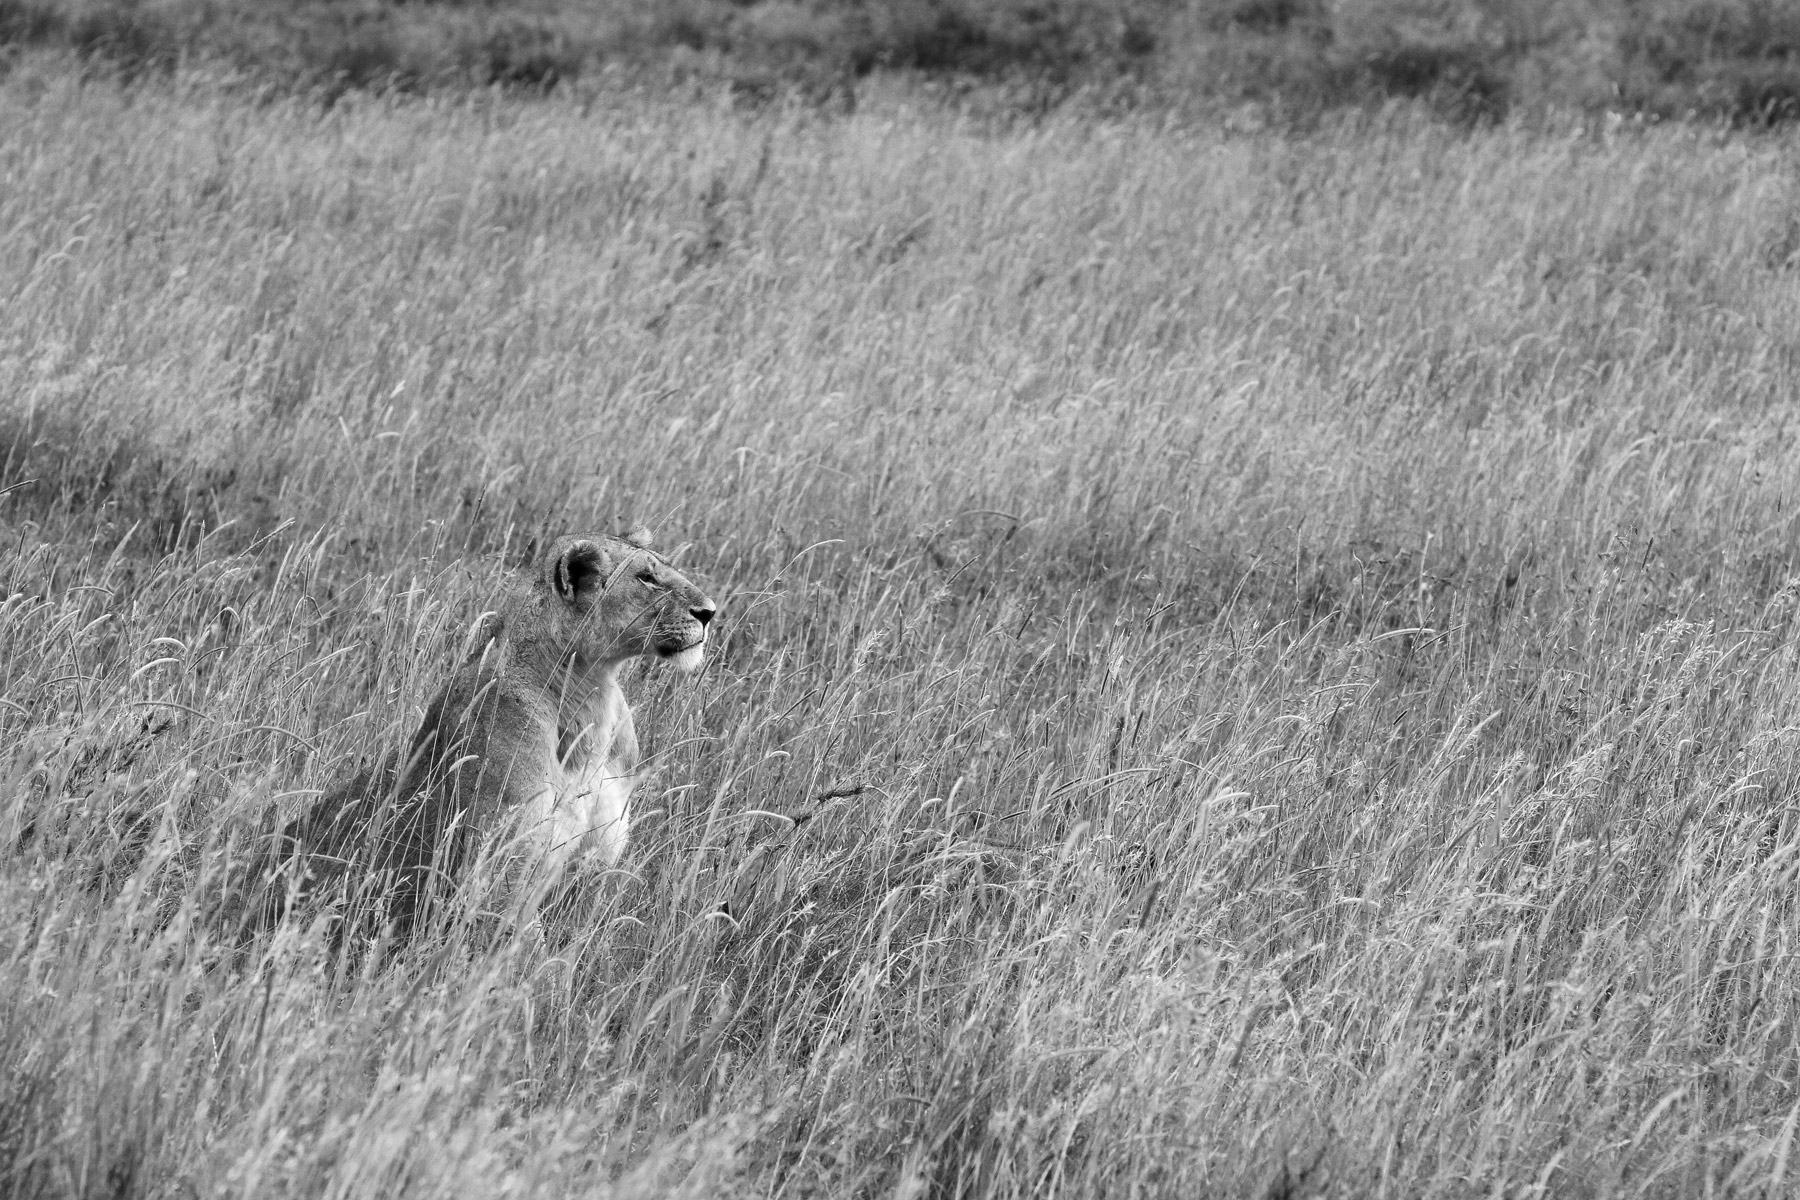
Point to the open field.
(1311, 617)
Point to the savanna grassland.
(1255, 660)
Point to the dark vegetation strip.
(1737, 60)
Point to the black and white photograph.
(899, 599)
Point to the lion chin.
(688, 661)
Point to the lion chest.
(592, 809)
(583, 807)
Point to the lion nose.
(703, 615)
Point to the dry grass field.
(1254, 662)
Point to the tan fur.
(526, 758)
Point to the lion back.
(392, 839)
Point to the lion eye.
(646, 577)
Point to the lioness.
(528, 754)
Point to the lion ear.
(482, 633)
(577, 565)
(640, 537)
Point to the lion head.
(614, 598)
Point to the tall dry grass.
(1310, 618)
